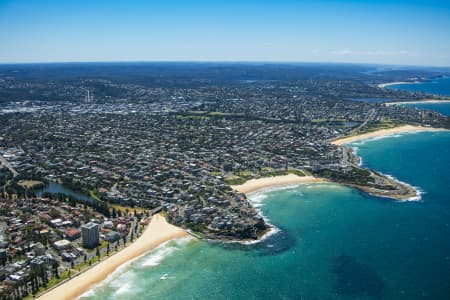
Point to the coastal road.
(369, 118)
(4, 162)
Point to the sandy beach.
(417, 102)
(156, 233)
(254, 185)
(383, 132)
(383, 85)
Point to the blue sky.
(405, 32)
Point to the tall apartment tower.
(89, 97)
(90, 235)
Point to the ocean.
(438, 86)
(333, 242)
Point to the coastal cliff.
(371, 182)
(366, 180)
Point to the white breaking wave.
(354, 146)
(275, 188)
(257, 200)
(355, 151)
(123, 289)
(273, 230)
(155, 257)
(115, 280)
(87, 294)
(322, 185)
(165, 250)
(158, 256)
(386, 136)
(377, 138)
(419, 191)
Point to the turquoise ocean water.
(333, 242)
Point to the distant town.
(87, 156)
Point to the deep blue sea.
(439, 86)
(333, 242)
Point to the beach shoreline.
(254, 185)
(265, 183)
(157, 232)
(384, 132)
(431, 101)
(383, 85)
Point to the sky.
(403, 32)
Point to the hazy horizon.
(237, 62)
(409, 33)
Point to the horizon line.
(281, 62)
